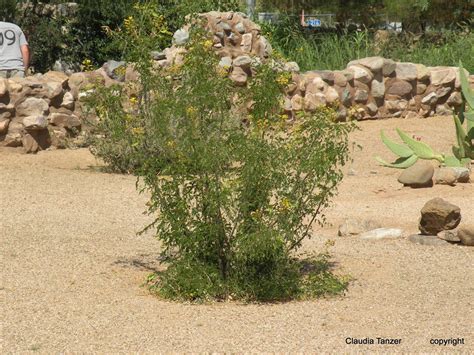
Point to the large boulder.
(438, 215)
(32, 106)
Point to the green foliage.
(234, 193)
(331, 50)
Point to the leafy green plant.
(414, 150)
(234, 187)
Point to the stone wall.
(43, 110)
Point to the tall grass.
(332, 51)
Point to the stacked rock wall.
(43, 110)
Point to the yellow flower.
(133, 100)
(138, 131)
(283, 80)
(285, 204)
(191, 111)
(208, 44)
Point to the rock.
(115, 69)
(462, 174)
(382, 233)
(56, 76)
(68, 101)
(29, 144)
(291, 67)
(422, 72)
(297, 102)
(466, 234)
(400, 88)
(372, 108)
(313, 101)
(246, 43)
(239, 27)
(331, 95)
(3, 87)
(65, 120)
(443, 110)
(418, 175)
(264, 48)
(158, 55)
(389, 67)
(340, 79)
(429, 99)
(406, 71)
(225, 62)
(396, 105)
(239, 76)
(35, 123)
(181, 37)
(346, 98)
(420, 88)
(361, 73)
(326, 75)
(438, 215)
(316, 85)
(378, 89)
(243, 61)
(4, 126)
(429, 240)
(443, 91)
(13, 139)
(449, 236)
(442, 76)
(445, 176)
(356, 226)
(32, 106)
(455, 99)
(375, 64)
(361, 96)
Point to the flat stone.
(429, 240)
(449, 236)
(438, 215)
(243, 61)
(375, 64)
(466, 234)
(429, 99)
(353, 226)
(35, 123)
(442, 76)
(382, 233)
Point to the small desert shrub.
(234, 193)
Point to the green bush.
(234, 192)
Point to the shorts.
(12, 73)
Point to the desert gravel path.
(72, 267)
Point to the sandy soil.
(73, 266)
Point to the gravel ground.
(73, 267)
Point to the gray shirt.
(11, 38)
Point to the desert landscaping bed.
(73, 267)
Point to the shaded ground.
(72, 266)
